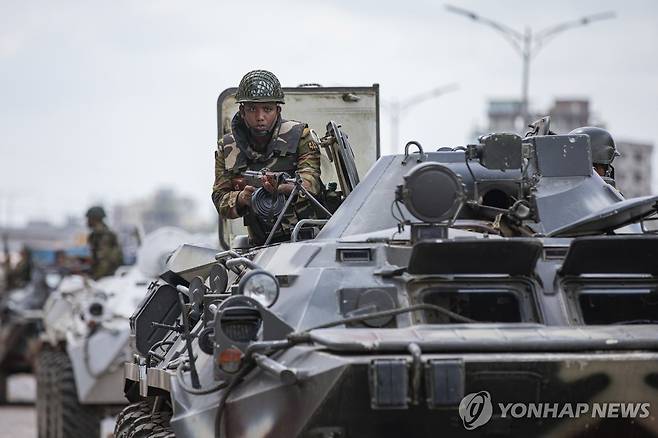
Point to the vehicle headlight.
(96, 309)
(261, 286)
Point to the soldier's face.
(601, 169)
(260, 116)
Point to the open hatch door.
(339, 151)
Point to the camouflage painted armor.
(106, 255)
(292, 148)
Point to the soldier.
(261, 139)
(604, 151)
(21, 274)
(106, 255)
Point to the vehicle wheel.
(44, 404)
(146, 427)
(129, 415)
(164, 433)
(4, 391)
(72, 419)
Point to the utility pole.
(528, 44)
(397, 108)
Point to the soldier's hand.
(286, 188)
(269, 183)
(244, 197)
(238, 183)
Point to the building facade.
(633, 168)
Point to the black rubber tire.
(129, 415)
(167, 432)
(146, 427)
(44, 404)
(71, 419)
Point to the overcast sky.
(103, 101)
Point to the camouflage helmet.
(95, 212)
(603, 146)
(259, 86)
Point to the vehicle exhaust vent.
(354, 255)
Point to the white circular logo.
(475, 409)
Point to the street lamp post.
(527, 44)
(397, 108)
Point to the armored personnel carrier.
(503, 287)
(85, 341)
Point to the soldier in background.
(21, 273)
(604, 151)
(106, 254)
(261, 139)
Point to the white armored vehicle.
(85, 341)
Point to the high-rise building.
(505, 116)
(567, 115)
(633, 168)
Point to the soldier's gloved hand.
(244, 197)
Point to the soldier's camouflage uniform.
(106, 254)
(294, 147)
(21, 274)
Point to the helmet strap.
(610, 172)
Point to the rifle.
(256, 178)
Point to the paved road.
(18, 421)
(19, 418)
